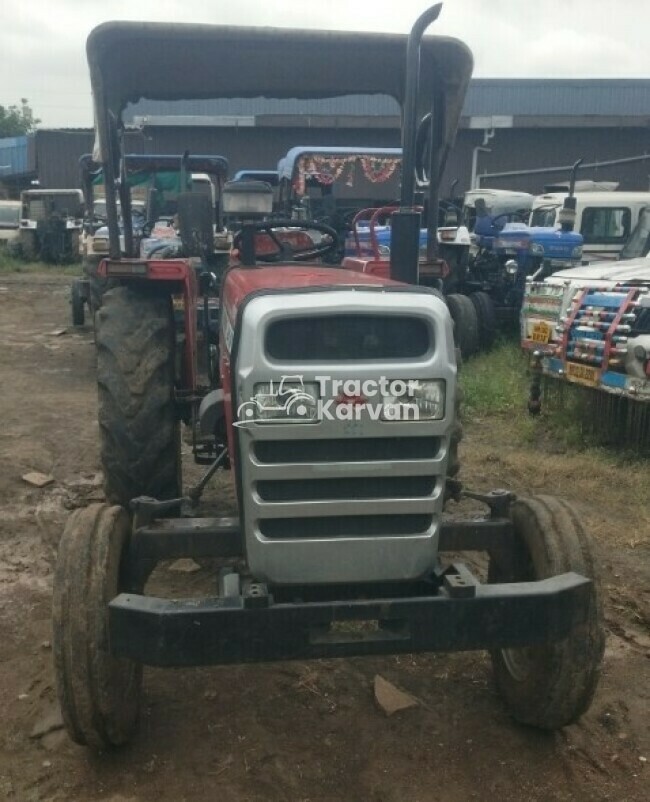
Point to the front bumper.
(188, 632)
(448, 611)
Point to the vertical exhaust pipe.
(405, 223)
(567, 214)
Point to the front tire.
(139, 426)
(98, 693)
(452, 485)
(552, 684)
(77, 303)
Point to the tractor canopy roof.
(267, 176)
(297, 158)
(163, 61)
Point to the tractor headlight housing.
(536, 249)
(414, 400)
(576, 253)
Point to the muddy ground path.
(300, 732)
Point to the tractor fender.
(210, 411)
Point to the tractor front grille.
(345, 497)
(346, 488)
(345, 526)
(276, 452)
(348, 338)
(354, 487)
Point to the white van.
(9, 221)
(605, 219)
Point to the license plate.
(582, 374)
(541, 333)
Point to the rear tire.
(98, 693)
(463, 313)
(552, 684)
(139, 426)
(78, 304)
(487, 319)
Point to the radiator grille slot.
(353, 338)
(344, 526)
(379, 449)
(366, 487)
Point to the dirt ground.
(300, 732)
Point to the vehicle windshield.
(9, 216)
(506, 214)
(638, 244)
(137, 210)
(544, 216)
(63, 205)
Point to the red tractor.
(337, 416)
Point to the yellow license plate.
(541, 333)
(178, 303)
(582, 374)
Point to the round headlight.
(537, 249)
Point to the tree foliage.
(17, 120)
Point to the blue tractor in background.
(507, 251)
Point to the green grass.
(495, 383)
(496, 386)
(12, 264)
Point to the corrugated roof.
(558, 97)
(486, 96)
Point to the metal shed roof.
(557, 97)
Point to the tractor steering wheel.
(286, 251)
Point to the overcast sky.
(42, 42)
